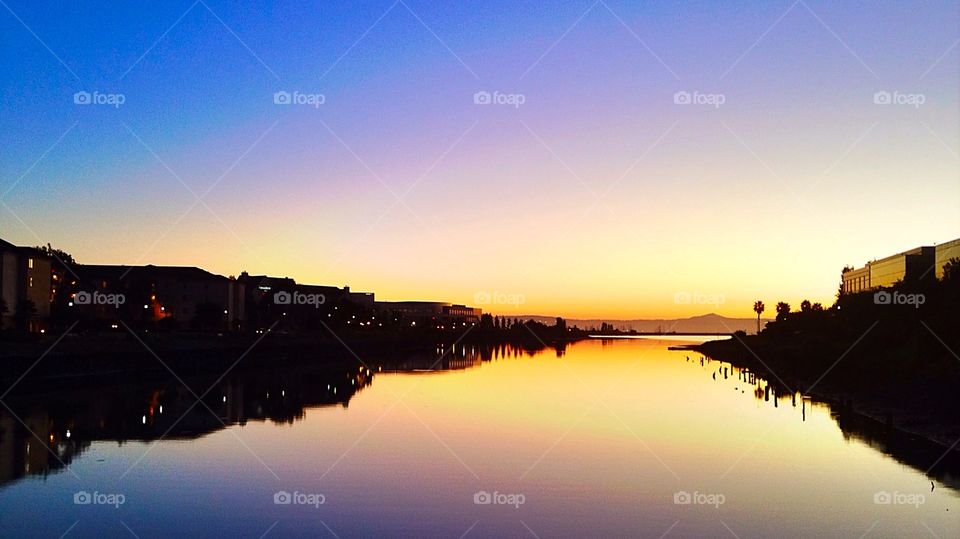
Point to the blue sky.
(597, 196)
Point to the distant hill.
(707, 323)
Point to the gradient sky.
(597, 197)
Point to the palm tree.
(758, 308)
(783, 309)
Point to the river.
(604, 438)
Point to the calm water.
(599, 441)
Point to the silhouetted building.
(430, 311)
(24, 286)
(174, 295)
(267, 298)
(364, 299)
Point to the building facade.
(183, 297)
(25, 284)
(944, 253)
(917, 264)
(428, 312)
(301, 306)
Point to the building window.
(30, 263)
(30, 282)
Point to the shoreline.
(891, 411)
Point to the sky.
(580, 158)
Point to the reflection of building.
(914, 265)
(34, 447)
(431, 311)
(57, 429)
(184, 294)
(24, 276)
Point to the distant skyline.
(593, 190)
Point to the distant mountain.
(707, 323)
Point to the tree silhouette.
(805, 306)
(561, 325)
(486, 321)
(951, 270)
(61, 258)
(840, 288)
(758, 308)
(783, 309)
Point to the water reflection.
(43, 431)
(400, 454)
(912, 450)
